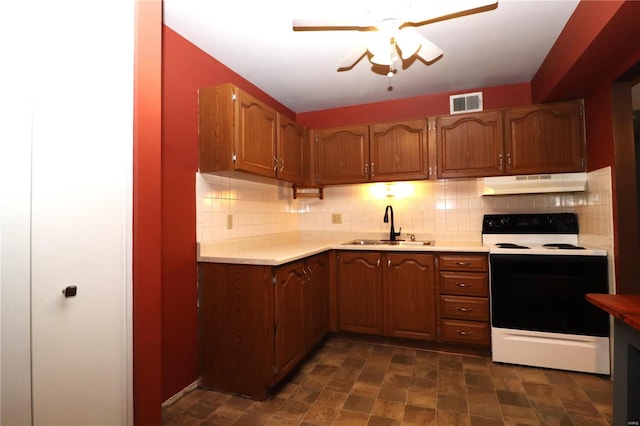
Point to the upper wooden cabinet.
(342, 154)
(470, 145)
(239, 132)
(398, 151)
(379, 152)
(544, 138)
(291, 149)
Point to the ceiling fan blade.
(429, 12)
(352, 58)
(429, 52)
(332, 25)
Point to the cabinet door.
(290, 150)
(289, 300)
(342, 155)
(399, 151)
(470, 145)
(360, 292)
(316, 299)
(410, 296)
(255, 136)
(545, 138)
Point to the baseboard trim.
(180, 394)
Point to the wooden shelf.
(307, 192)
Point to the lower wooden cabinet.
(258, 322)
(464, 299)
(360, 292)
(388, 294)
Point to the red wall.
(147, 329)
(416, 107)
(598, 44)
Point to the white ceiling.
(299, 68)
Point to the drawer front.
(463, 262)
(468, 332)
(465, 308)
(459, 283)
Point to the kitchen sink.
(388, 243)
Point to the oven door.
(547, 293)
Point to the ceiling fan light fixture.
(380, 44)
(382, 60)
(409, 42)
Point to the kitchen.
(165, 229)
(346, 200)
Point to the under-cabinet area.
(259, 321)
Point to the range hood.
(535, 184)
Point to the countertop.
(626, 308)
(278, 250)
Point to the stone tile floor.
(351, 382)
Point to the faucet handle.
(399, 232)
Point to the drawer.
(468, 332)
(459, 283)
(463, 262)
(465, 308)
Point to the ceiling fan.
(393, 38)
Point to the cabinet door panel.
(290, 150)
(399, 151)
(544, 138)
(360, 292)
(289, 302)
(342, 154)
(470, 145)
(255, 136)
(410, 296)
(317, 299)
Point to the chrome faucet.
(392, 232)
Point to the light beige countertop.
(279, 249)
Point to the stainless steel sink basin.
(388, 243)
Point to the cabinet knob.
(70, 291)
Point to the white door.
(79, 214)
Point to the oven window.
(547, 293)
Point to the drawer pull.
(457, 262)
(464, 333)
(461, 309)
(463, 285)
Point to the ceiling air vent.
(465, 102)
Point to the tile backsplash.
(236, 206)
